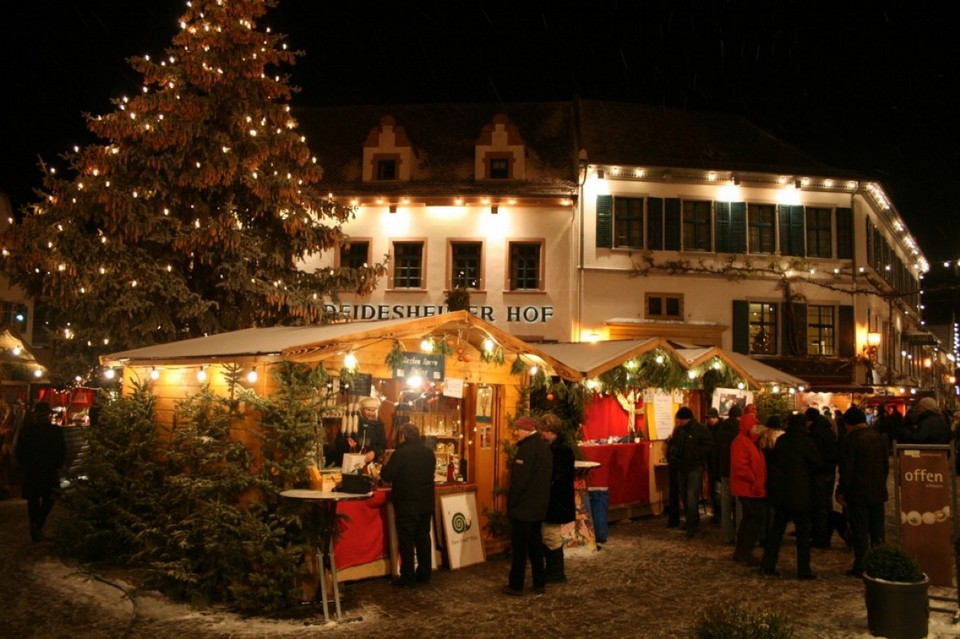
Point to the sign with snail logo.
(926, 501)
(461, 527)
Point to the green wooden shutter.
(604, 221)
(741, 327)
(738, 227)
(844, 233)
(671, 224)
(791, 230)
(846, 328)
(793, 341)
(655, 223)
(721, 222)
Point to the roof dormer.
(500, 151)
(387, 153)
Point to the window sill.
(526, 291)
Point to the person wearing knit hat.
(689, 450)
(528, 497)
(862, 489)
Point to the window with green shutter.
(762, 220)
(655, 223)
(791, 230)
(604, 221)
(730, 227)
(671, 224)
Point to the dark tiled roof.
(444, 137)
(636, 135)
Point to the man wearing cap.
(930, 428)
(690, 449)
(528, 497)
(371, 436)
(864, 464)
(41, 451)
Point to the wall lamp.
(393, 208)
(495, 209)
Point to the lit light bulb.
(202, 374)
(252, 376)
(154, 374)
(350, 361)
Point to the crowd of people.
(824, 471)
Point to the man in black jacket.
(690, 449)
(824, 477)
(862, 489)
(527, 500)
(410, 470)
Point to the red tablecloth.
(365, 537)
(624, 470)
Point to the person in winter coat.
(824, 478)
(40, 451)
(862, 488)
(793, 466)
(561, 509)
(528, 498)
(727, 431)
(690, 451)
(930, 427)
(748, 480)
(410, 470)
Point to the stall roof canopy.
(307, 343)
(592, 359)
(13, 350)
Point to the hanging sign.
(429, 367)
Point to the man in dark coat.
(527, 499)
(410, 470)
(793, 465)
(825, 476)
(713, 471)
(41, 451)
(690, 449)
(561, 508)
(862, 489)
(930, 426)
(727, 431)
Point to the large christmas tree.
(193, 213)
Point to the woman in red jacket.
(748, 478)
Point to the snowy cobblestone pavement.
(647, 581)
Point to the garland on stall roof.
(647, 373)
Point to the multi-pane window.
(820, 330)
(408, 265)
(355, 254)
(696, 226)
(761, 224)
(819, 232)
(13, 315)
(466, 264)
(387, 169)
(525, 266)
(628, 222)
(763, 328)
(499, 168)
(664, 306)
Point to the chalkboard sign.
(361, 384)
(429, 367)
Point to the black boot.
(555, 573)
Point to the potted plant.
(895, 593)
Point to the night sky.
(869, 86)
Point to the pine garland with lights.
(193, 213)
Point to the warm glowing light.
(350, 361)
(488, 345)
(202, 374)
(692, 374)
(154, 374)
(426, 346)
(252, 376)
(109, 373)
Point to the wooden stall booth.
(455, 376)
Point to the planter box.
(897, 610)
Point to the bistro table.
(326, 513)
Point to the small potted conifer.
(895, 590)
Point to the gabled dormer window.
(500, 151)
(387, 153)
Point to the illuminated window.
(763, 328)
(820, 330)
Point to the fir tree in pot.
(895, 591)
